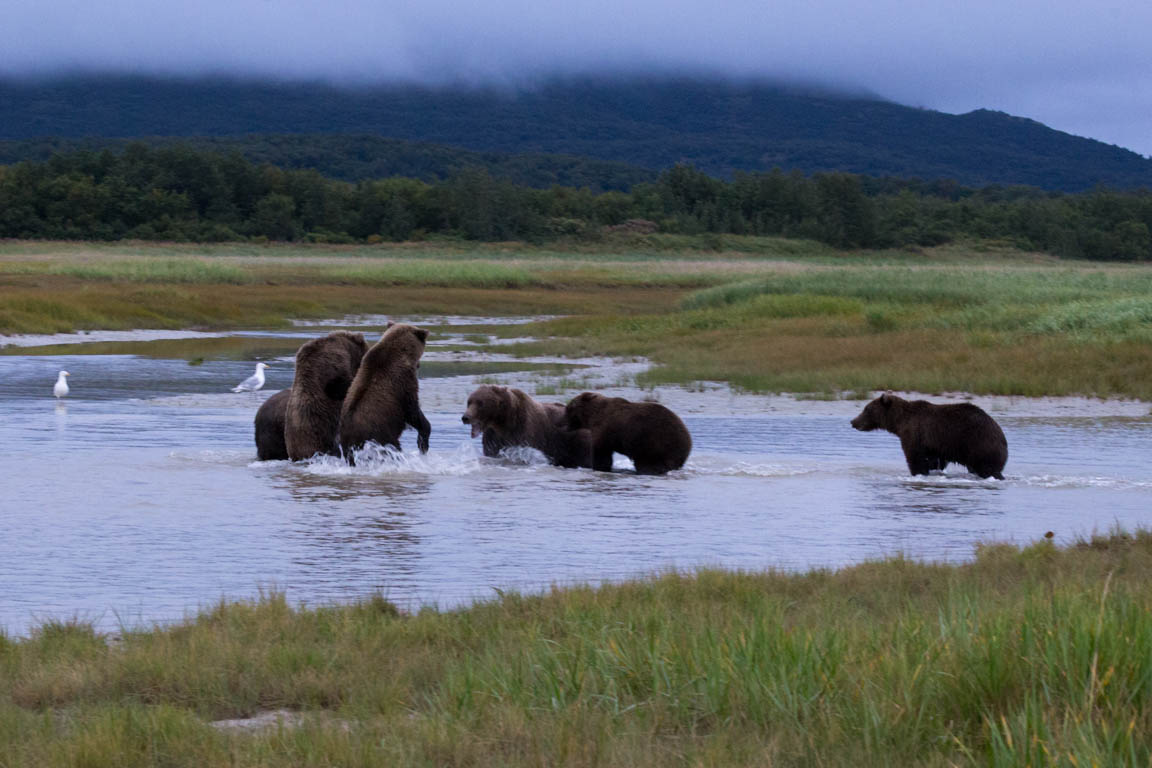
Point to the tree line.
(186, 194)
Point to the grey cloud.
(1077, 66)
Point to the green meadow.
(1024, 656)
(764, 314)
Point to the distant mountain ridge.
(652, 123)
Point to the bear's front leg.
(415, 418)
(918, 464)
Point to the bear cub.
(385, 395)
(933, 436)
(648, 433)
(325, 368)
(508, 417)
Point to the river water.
(138, 500)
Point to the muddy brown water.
(138, 500)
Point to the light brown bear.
(385, 395)
(508, 417)
(648, 433)
(325, 368)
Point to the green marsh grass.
(948, 319)
(1024, 656)
(1014, 331)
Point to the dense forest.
(715, 125)
(360, 157)
(183, 193)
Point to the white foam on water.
(723, 466)
(965, 480)
(375, 460)
(1064, 481)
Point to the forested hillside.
(184, 193)
(717, 126)
(359, 157)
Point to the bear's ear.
(390, 324)
(886, 398)
(421, 333)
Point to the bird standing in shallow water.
(61, 387)
(253, 382)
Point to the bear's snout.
(465, 419)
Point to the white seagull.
(253, 382)
(61, 387)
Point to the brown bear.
(270, 427)
(648, 433)
(933, 436)
(508, 417)
(325, 368)
(385, 395)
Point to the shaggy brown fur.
(933, 436)
(385, 395)
(325, 368)
(648, 433)
(509, 417)
(270, 427)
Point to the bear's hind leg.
(602, 459)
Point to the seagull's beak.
(66, 373)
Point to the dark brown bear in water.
(385, 395)
(509, 417)
(270, 427)
(934, 436)
(325, 369)
(648, 433)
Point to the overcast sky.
(1080, 66)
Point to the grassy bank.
(1012, 330)
(765, 315)
(1022, 657)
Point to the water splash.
(375, 460)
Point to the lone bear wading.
(934, 436)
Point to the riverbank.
(765, 316)
(1033, 655)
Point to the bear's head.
(404, 341)
(878, 414)
(488, 406)
(330, 363)
(354, 343)
(582, 410)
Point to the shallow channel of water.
(138, 499)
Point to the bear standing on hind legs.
(648, 433)
(385, 395)
(325, 368)
(934, 436)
